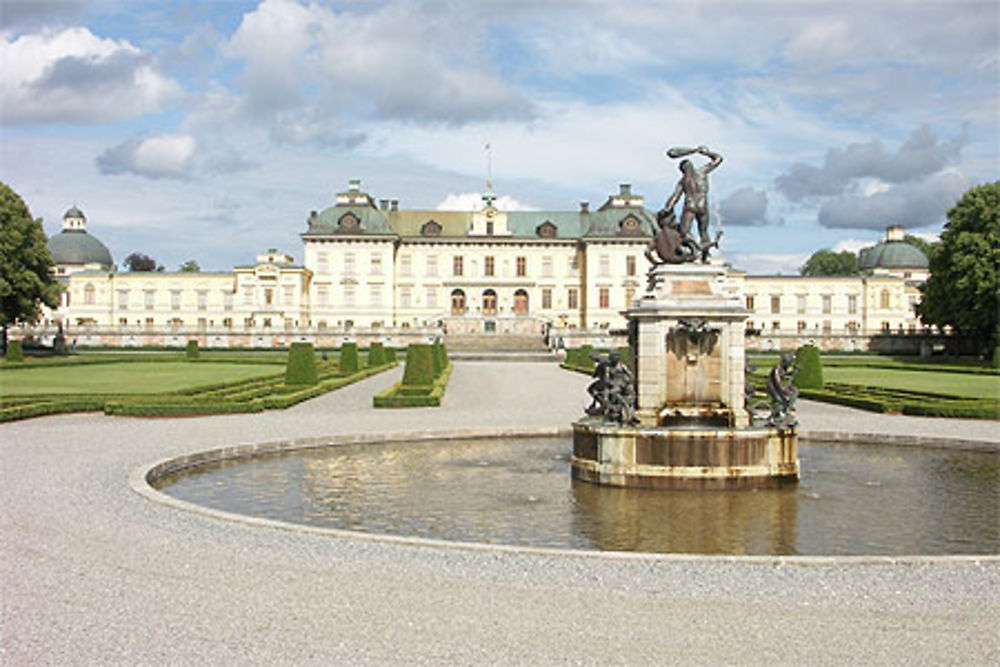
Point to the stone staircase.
(498, 347)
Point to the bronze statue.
(693, 185)
(612, 390)
(668, 246)
(783, 392)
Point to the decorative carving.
(630, 226)
(348, 223)
(698, 334)
(612, 390)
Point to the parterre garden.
(180, 383)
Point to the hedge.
(376, 354)
(419, 365)
(414, 396)
(301, 369)
(15, 351)
(810, 375)
(349, 358)
(191, 351)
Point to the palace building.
(374, 271)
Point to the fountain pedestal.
(694, 429)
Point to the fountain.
(683, 418)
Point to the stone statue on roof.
(693, 186)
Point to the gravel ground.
(93, 573)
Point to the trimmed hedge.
(191, 351)
(349, 358)
(15, 351)
(390, 354)
(376, 354)
(810, 375)
(414, 396)
(301, 369)
(419, 365)
(440, 358)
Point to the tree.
(139, 262)
(963, 290)
(829, 263)
(190, 266)
(923, 245)
(26, 280)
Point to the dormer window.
(431, 228)
(629, 226)
(349, 223)
(546, 230)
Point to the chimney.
(383, 204)
(312, 216)
(585, 207)
(394, 205)
(625, 190)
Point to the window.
(349, 295)
(405, 297)
(775, 304)
(800, 326)
(522, 267)
(546, 297)
(827, 327)
(88, 295)
(884, 299)
(604, 297)
(227, 300)
(432, 265)
(376, 268)
(800, 304)
(750, 302)
(123, 299)
(489, 302)
(202, 324)
(457, 302)
(489, 267)
(268, 296)
(572, 298)
(630, 265)
(489, 228)
(289, 295)
(775, 326)
(885, 327)
(604, 266)
(572, 265)
(547, 267)
(629, 296)
(376, 296)
(852, 304)
(323, 295)
(123, 321)
(322, 263)
(149, 298)
(405, 265)
(203, 299)
(432, 297)
(349, 264)
(248, 295)
(228, 322)
(457, 265)
(149, 321)
(827, 304)
(520, 302)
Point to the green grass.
(938, 382)
(140, 377)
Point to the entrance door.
(520, 302)
(489, 302)
(457, 302)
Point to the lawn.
(938, 382)
(140, 377)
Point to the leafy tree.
(964, 288)
(26, 280)
(829, 263)
(190, 266)
(139, 262)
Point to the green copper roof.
(370, 221)
(892, 255)
(78, 247)
(525, 224)
(74, 212)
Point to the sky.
(209, 130)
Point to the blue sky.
(209, 130)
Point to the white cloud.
(473, 201)
(161, 156)
(74, 76)
(769, 263)
(852, 245)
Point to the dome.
(74, 212)
(892, 255)
(78, 247)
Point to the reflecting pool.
(852, 499)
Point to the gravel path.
(93, 573)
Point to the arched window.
(884, 299)
(88, 294)
(520, 302)
(348, 223)
(457, 302)
(431, 228)
(489, 302)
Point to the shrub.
(191, 352)
(413, 396)
(996, 357)
(349, 358)
(376, 355)
(390, 354)
(15, 351)
(301, 369)
(810, 375)
(440, 358)
(419, 365)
